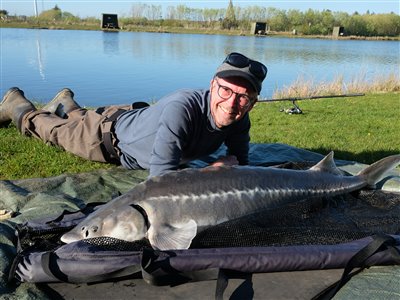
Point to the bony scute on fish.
(209, 196)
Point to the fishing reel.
(292, 111)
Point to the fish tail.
(375, 172)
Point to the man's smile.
(227, 110)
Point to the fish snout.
(80, 233)
(88, 232)
(70, 237)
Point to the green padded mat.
(35, 198)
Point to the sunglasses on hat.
(240, 61)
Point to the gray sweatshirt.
(177, 129)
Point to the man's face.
(227, 110)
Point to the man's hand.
(229, 160)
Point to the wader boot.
(13, 107)
(62, 104)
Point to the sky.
(94, 8)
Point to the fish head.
(125, 223)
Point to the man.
(180, 127)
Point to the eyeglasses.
(225, 93)
(240, 61)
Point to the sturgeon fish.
(171, 209)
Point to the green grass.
(363, 129)
(24, 157)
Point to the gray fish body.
(181, 204)
(211, 196)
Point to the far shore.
(161, 29)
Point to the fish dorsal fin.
(327, 165)
(169, 237)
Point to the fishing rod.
(312, 97)
(297, 110)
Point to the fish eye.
(94, 228)
(83, 228)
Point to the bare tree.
(138, 10)
(154, 12)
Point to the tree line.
(310, 22)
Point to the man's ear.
(252, 105)
(212, 84)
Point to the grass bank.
(363, 129)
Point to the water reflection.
(111, 42)
(40, 57)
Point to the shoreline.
(152, 29)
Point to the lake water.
(119, 67)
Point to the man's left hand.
(229, 160)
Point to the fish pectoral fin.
(168, 237)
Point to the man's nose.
(233, 100)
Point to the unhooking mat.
(36, 198)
